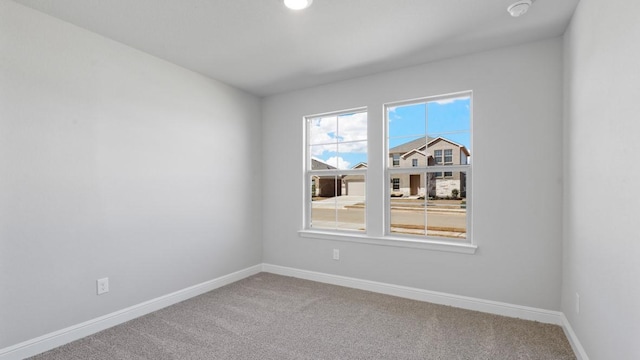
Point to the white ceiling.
(264, 48)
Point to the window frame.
(377, 180)
(310, 173)
(440, 169)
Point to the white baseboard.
(464, 302)
(52, 340)
(573, 339)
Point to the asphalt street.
(442, 221)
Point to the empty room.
(319, 179)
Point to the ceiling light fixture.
(519, 8)
(297, 4)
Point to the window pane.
(407, 121)
(446, 206)
(352, 127)
(395, 184)
(407, 211)
(324, 156)
(351, 204)
(395, 159)
(323, 202)
(350, 155)
(437, 157)
(323, 130)
(448, 156)
(406, 134)
(409, 154)
(338, 141)
(450, 119)
(441, 213)
(338, 202)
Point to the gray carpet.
(268, 316)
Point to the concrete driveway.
(340, 201)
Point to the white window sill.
(463, 248)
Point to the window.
(448, 156)
(432, 205)
(437, 156)
(396, 159)
(424, 174)
(336, 167)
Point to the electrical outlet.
(577, 303)
(336, 254)
(103, 285)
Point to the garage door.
(355, 188)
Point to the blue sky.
(341, 140)
(449, 119)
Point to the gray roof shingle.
(406, 147)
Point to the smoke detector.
(519, 8)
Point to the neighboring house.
(437, 151)
(324, 186)
(354, 185)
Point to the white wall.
(517, 154)
(601, 201)
(114, 163)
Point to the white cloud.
(449, 100)
(322, 130)
(338, 162)
(352, 127)
(318, 150)
(353, 147)
(348, 131)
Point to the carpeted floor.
(268, 316)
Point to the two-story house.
(436, 151)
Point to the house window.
(414, 162)
(437, 156)
(396, 159)
(336, 158)
(436, 126)
(448, 157)
(396, 184)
